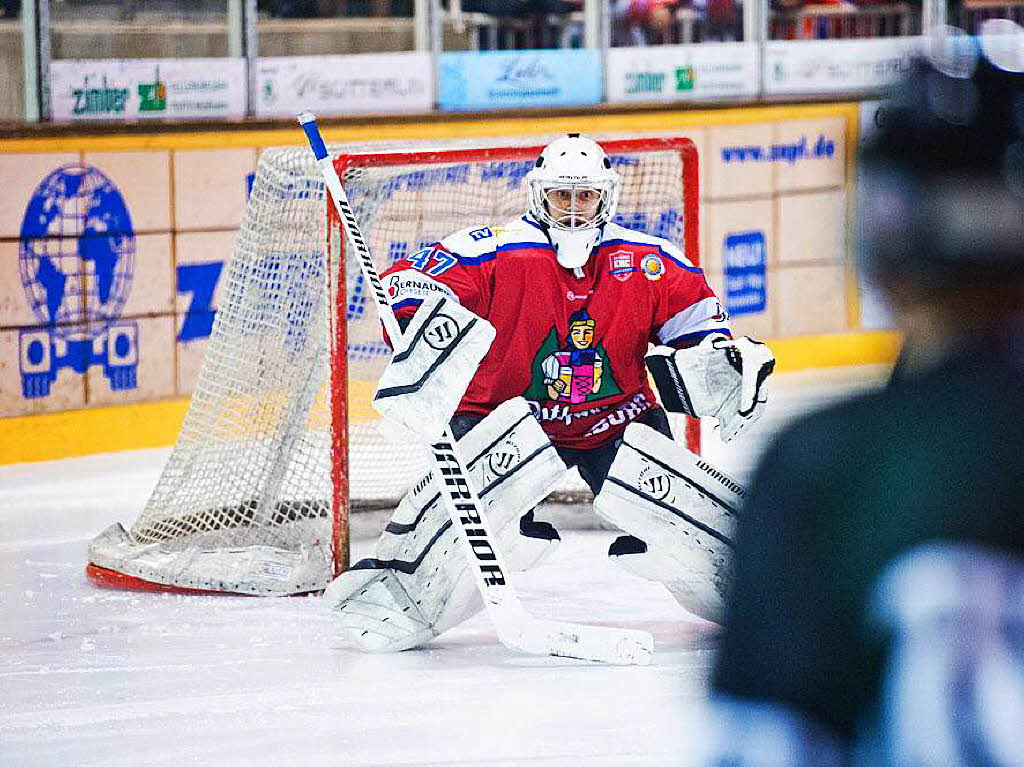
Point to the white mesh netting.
(245, 500)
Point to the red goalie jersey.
(571, 342)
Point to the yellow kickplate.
(156, 424)
(71, 433)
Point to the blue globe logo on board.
(76, 260)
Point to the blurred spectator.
(640, 22)
(533, 17)
(877, 614)
(10, 9)
(723, 19)
(646, 22)
(301, 9)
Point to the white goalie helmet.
(574, 192)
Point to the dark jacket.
(838, 498)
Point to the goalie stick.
(515, 627)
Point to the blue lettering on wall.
(201, 281)
(666, 223)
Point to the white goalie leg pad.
(682, 510)
(375, 612)
(720, 377)
(425, 380)
(418, 583)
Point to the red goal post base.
(111, 579)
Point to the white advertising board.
(134, 89)
(836, 66)
(363, 83)
(682, 72)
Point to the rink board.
(156, 424)
(774, 181)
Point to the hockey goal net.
(279, 441)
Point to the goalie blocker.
(426, 378)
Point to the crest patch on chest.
(621, 265)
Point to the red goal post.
(415, 168)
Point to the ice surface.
(96, 677)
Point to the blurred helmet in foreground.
(943, 169)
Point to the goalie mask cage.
(279, 440)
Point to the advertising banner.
(836, 66)
(504, 79)
(363, 83)
(111, 89)
(681, 72)
(745, 256)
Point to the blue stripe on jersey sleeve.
(691, 339)
(661, 251)
(524, 245)
(475, 260)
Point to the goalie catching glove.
(425, 380)
(720, 377)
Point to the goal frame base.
(112, 579)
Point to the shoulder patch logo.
(653, 267)
(408, 284)
(621, 265)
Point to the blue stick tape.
(316, 142)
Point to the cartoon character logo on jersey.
(620, 264)
(572, 369)
(573, 373)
